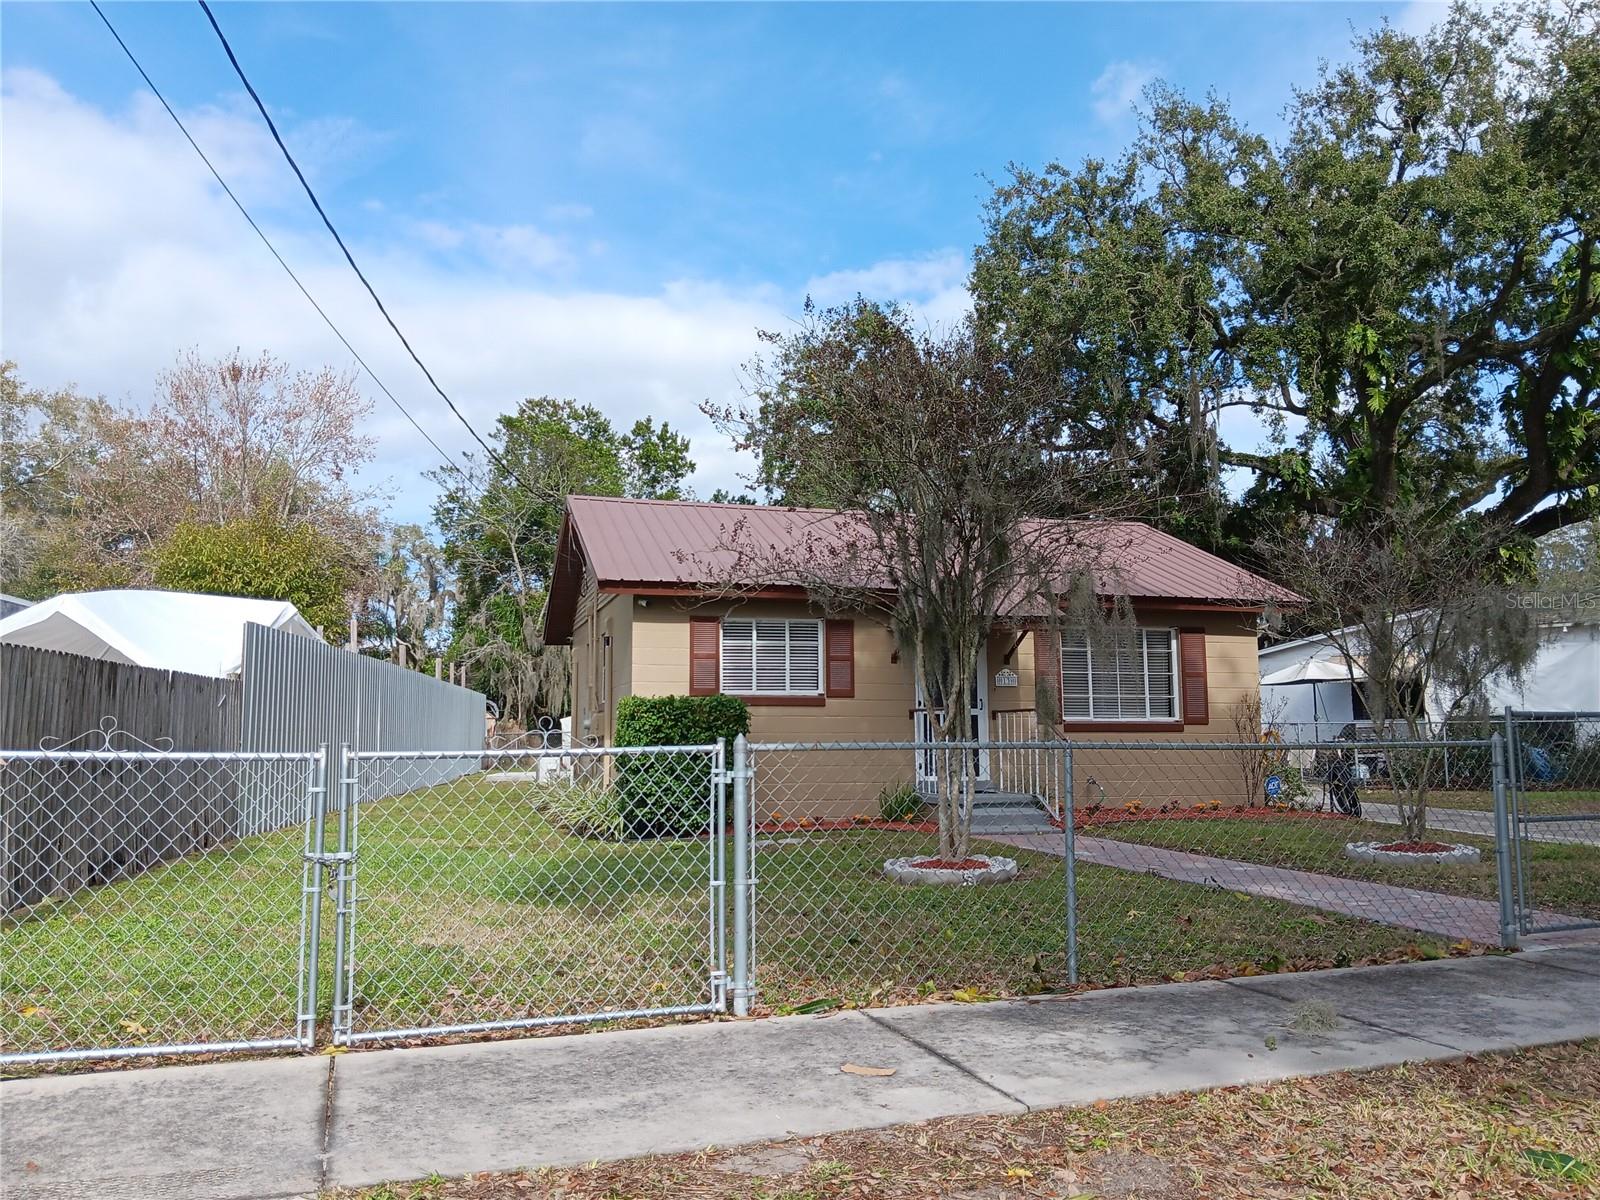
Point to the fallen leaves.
(851, 1068)
(1515, 1125)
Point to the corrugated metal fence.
(298, 694)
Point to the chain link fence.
(1180, 857)
(426, 893)
(1554, 801)
(134, 920)
(517, 888)
(830, 924)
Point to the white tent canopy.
(172, 631)
(1313, 670)
(1564, 676)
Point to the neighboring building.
(1306, 685)
(639, 592)
(174, 631)
(11, 604)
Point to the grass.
(473, 907)
(1524, 1125)
(1564, 878)
(829, 925)
(1576, 800)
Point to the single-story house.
(640, 592)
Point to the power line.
(348, 257)
(267, 242)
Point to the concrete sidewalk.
(287, 1127)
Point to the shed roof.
(634, 545)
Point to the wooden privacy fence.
(48, 694)
(79, 819)
(74, 820)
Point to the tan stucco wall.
(1188, 773)
(827, 784)
(600, 675)
(879, 711)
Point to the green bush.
(666, 795)
(585, 810)
(900, 803)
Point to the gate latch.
(330, 858)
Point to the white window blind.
(772, 658)
(1131, 677)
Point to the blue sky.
(600, 201)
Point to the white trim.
(921, 724)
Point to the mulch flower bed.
(1093, 815)
(807, 825)
(1418, 847)
(952, 864)
(1089, 816)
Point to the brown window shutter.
(1192, 670)
(840, 637)
(1047, 658)
(705, 656)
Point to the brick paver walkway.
(1401, 907)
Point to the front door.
(923, 728)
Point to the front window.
(772, 658)
(1124, 677)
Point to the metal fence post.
(1069, 856)
(1514, 798)
(1502, 844)
(743, 878)
(717, 893)
(344, 900)
(312, 857)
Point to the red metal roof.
(695, 545)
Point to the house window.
(1130, 677)
(772, 658)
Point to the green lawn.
(473, 907)
(828, 924)
(1576, 800)
(1565, 878)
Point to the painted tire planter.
(997, 870)
(1373, 852)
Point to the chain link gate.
(513, 889)
(143, 909)
(1553, 800)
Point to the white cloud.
(121, 251)
(506, 247)
(935, 286)
(1117, 89)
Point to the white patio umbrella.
(1314, 671)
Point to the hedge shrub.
(665, 795)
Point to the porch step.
(1008, 812)
(1000, 800)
